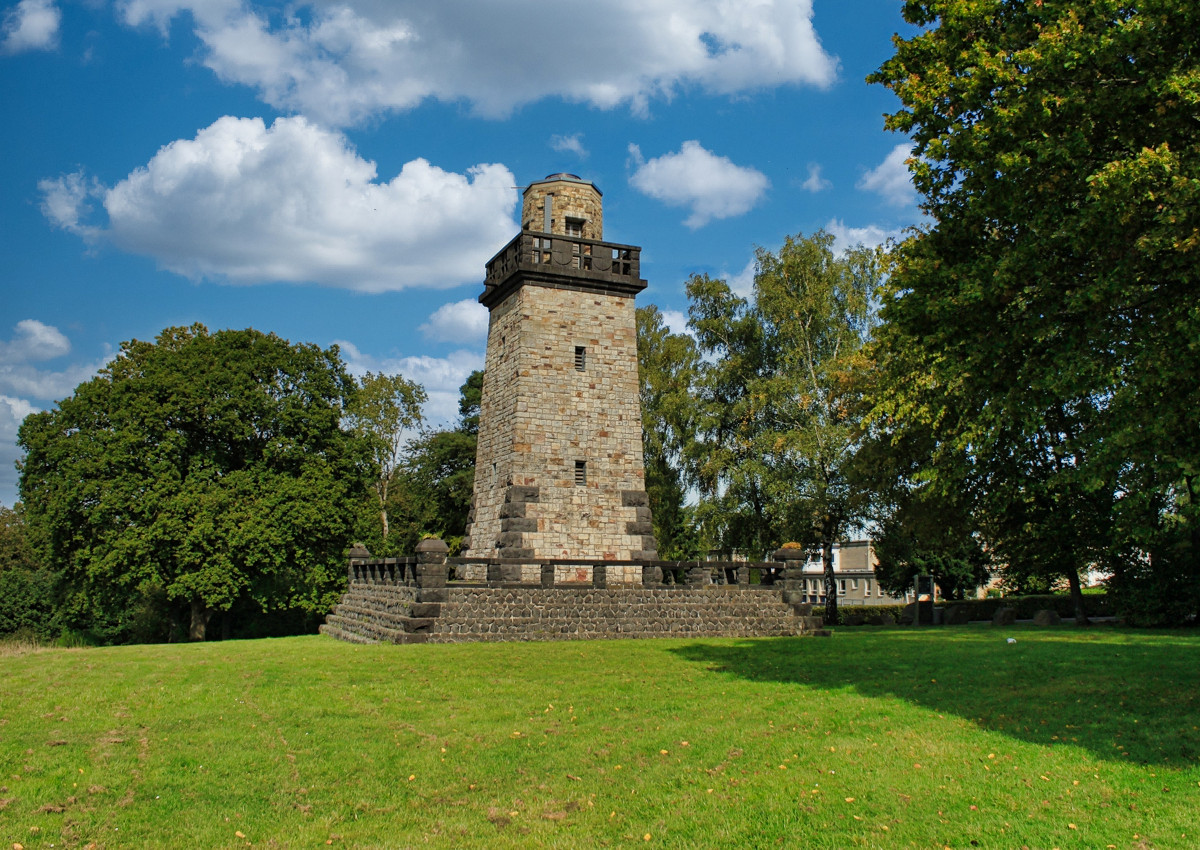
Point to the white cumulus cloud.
(676, 321)
(24, 381)
(870, 236)
(890, 179)
(569, 144)
(30, 25)
(293, 202)
(12, 412)
(710, 186)
(33, 343)
(458, 321)
(341, 61)
(742, 283)
(815, 182)
(65, 201)
(440, 376)
(34, 340)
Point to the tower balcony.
(568, 262)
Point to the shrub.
(1094, 604)
(27, 603)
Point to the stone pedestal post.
(432, 571)
(358, 553)
(793, 561)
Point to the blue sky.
(339, 172)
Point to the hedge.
(1094, 604)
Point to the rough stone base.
(375, 613)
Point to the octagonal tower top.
(565, 205)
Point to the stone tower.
(559, 470)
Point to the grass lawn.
(872, 738)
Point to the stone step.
(370, 632)
(349, 636)
(380, 601)
(398, 619)
(356, 613)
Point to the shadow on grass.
(1126, 696)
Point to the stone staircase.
(382, 614)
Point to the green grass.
(873, 738)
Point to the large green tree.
(779, 421)
(917, 529)
(203, 469)
(919, 537)
(667, 364)
(722, 459)
(1044, 326)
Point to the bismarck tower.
(559, 472)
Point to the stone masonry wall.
(578, 200)
(497, 418)
(524, 613)
(541, 415)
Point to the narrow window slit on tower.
(580, 358)
(581, 473)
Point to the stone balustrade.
(550, 572)
(588, 263)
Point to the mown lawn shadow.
(1124, 695)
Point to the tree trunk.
(381, 490)
(200, 615)
(1081, 618)
(831, 589)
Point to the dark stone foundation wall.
(414, 600)
(391, 613)
(561, 613)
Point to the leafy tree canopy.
(667, 370)
(386, 412)
(27, 589)
(16, 550)
(431, 485)
(778, 422)
(1044, 327)
(206, 468)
